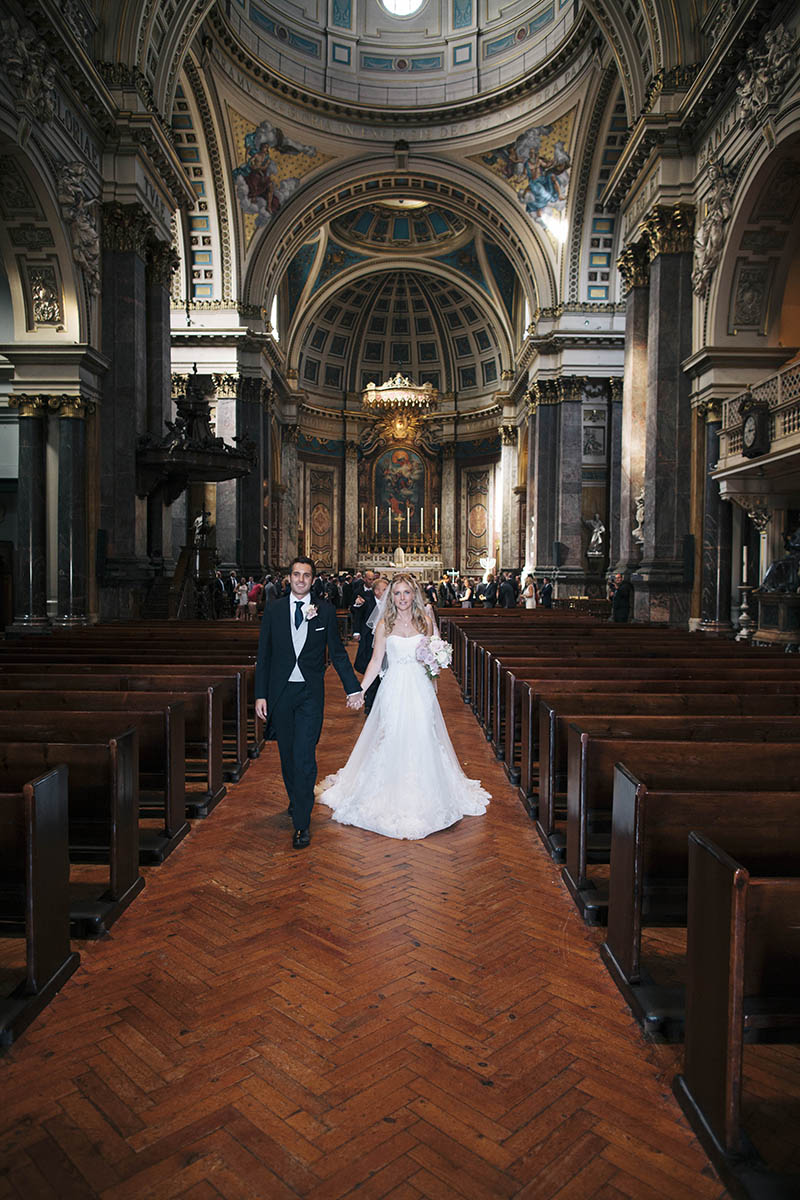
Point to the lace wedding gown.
(403, 778)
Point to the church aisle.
(395, 1019)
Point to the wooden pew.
(103, 817)
(680, 716)
(34, 895)
(532, 690)
(666, 791)
(743, 955)
(50, 716)
(202, 712)
(592, 755)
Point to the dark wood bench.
(202, 713)
(532, 690)
(34, 895)
(677, 717)
(85, 716)
(743, 985)
(103, 817)
(235, 683)
(663, 793)
(592, 756)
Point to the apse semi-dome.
(398, 224)
(414, 322)
(401, 53)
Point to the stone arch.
(475, 197)
(762, 243)
(48, 298)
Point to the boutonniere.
(311, 612)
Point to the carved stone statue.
(763, 75)
(29, 68)
(83, 230)
(710, 236)
(637, 532)
(202, 529)
(598, 531)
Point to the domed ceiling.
(396, 223)
(406, 320)
(398, 53)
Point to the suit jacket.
(276, 660)
(507, 597)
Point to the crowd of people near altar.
(245, 597)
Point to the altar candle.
(744, 564)
(436, 519)
(376, 518)
(390, 520)
(408, 520)
(422, 521)
(362, 518)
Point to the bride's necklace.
(404, 626)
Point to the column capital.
(162, 261)
(670, 230)
(291, 434)
(127, 228)
(448, 450)
(508, 435)
(710, 409)
(70, 407)
(351, 449)
(29, 406)
(615, 383)
(634, 266)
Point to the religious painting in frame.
(399, 489)
(477, 531)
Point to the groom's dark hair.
(301, 558)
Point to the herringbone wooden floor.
(368, 1017)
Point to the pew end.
(743, 986)
(34, 895)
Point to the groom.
(290, 685)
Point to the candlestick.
(362, 518)
(376, 518)
(390, 520)
(436, 519)
(422, 521)
(744, 563)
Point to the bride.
(403, 778)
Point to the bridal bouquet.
(435, 655)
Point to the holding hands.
(356, 700)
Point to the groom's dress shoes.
(301, 839)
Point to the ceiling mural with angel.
(537, 165)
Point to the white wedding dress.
(403, 778)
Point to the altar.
(426, 567)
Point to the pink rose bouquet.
(434, 654)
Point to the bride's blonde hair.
(419, 617)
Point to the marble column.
(290, 474)
(72, 513)
(544, 466)
(614, 471)
(250, 489)
(529, 535)
(664, 577)
(634, 266)
(569, 498)
(509, 528)
(351, 511)
(30, 565)
(126, 233)
(715, 583)
(161, 262)
(447, 517)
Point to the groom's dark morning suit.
(295, 707)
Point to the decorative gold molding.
(634, 266)
(70, 407)
(29, 406)
(669, 230)
(508, 435)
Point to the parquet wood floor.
(366, 1018)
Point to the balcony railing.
(781, 394)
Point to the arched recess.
(619, 34)
(314, 306)
(762, 244)
(49, 303)
(477, 198)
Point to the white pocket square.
(319, 629)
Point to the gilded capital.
(634, 266)
(162, 261)
(29, 406)
(508, 433)
(127, 228)
(670, 230)
(615, 383)
(72, 407)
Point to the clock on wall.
(755, 431)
